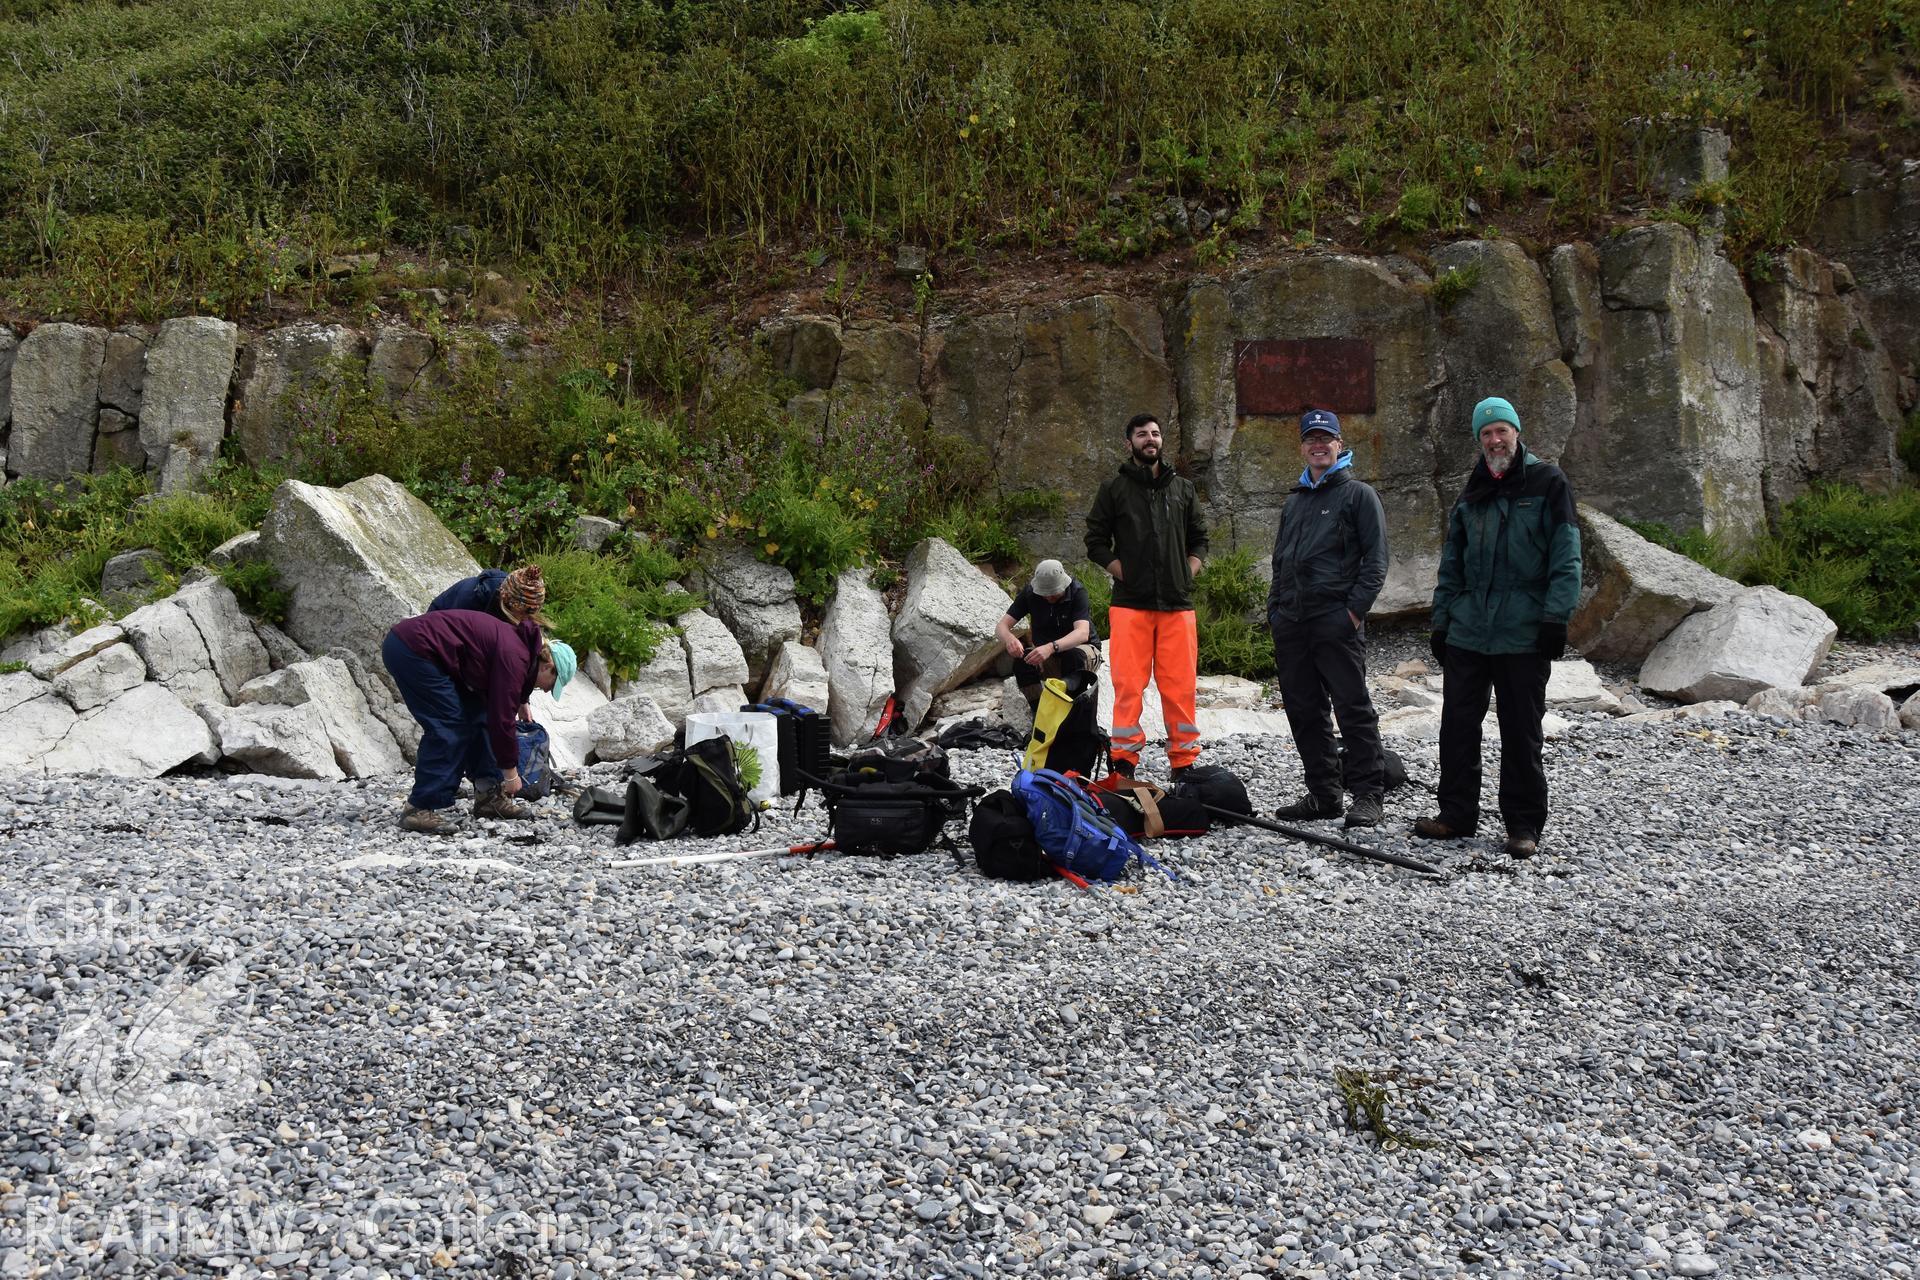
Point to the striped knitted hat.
(524, 592)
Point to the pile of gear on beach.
(1508, 580)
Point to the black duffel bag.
(1216, 787)
(1002, 838)
(868, 812)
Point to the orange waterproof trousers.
(1165, 646)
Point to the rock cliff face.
(1641, 364)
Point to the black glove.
(1438, 643)
(1553, 640)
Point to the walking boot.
(431, 822)
(1439, 829)
(494, 802)
(1522, 844)
(1365, 812)
(1307, 808)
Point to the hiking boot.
(1307, 808)
(431, 822)
(1179, 772)
(1122, 767)
(1439, 829)
(1521, 844)
(494, 802)
(1365, 812)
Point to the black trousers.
(1519, 684)
(1322, 665)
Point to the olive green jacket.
(1511, 560)
(1150, 524)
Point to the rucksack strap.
(1147, 796)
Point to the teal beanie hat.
(1494, 409)
(564, 665)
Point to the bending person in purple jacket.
(464, 675)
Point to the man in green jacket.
(1145, 528)
(1509, 580)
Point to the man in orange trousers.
(1145, 528)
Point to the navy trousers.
(453, 725)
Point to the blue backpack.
(1073, 831)
(536, 760)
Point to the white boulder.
(36, 718)
(856, 647)
(798, 673)
(725, 698)
(356, 560)
(1787, 704)
(1858, 705)
(141, 734)
(944, 635)
(362, 746)
(284, 741)
(663, 678)
(756, 601)
(1910, 712)
(66, 651)
(568, 721)
(1573, 685)
(714, 657)
(628, 727)
(98, 680)
(1635, 592)
(1762, 638)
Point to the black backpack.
(1076, 743)
(1147, 812)
(705, 776)
(870, 812)
(1215, 787)
(900, 759)
(1002, 838)
(643, 811)
(806, 740)
(977, 735)
(1393, 769)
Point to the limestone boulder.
(663, 678)
(1895, 679)
(590, 533)
(726, 698)
(980, 699)
(1762, 638)
(356, 560)
(1217, 723)
(804, 348)
(1910, 712)
(233, 650)
(36, 717)
(281, 650)
(1573, 685)
(60, 650)
(131, 576)
(944, 635)
(241, 548)
(403, 362)
(568, 721)
(1633, 592)
(799, 674)
(189, 367)
(1786, 704)
(1698, 711)
(1227, 693)
(143, 733)
(756, 601)
(1044, 393)
(288, 375)
(175, 653)
(1247, 463)
(55, 401)
(856, 647)
(382, 700)
(876, 378)
(628, 727)
(714, 658)
(99, 679)
(277, 740)
(1864, 707)
(1665, 430)
(362, 746)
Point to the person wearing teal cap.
(1509, 580)
(465, 675)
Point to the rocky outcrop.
(714, 658)
(141, 734)
(1633, 593)
(9, 349)
(287, 377)
(1762, 638)
(856, 647)
(37, 720)
(664, 678)
(1848, 426)
(1499, 338)
(56, 401)
(184, 417)
(1873, 226)
(270, 738)
(356, 560)
(628, 727)
(1678, 364)
(197, 643)
(1246, 464)
(943, 636)
(359, 743)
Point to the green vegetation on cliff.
(177, 155)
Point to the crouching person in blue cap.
(1509, 581)
(464, 675)
(1329, 563)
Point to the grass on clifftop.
(162, 156)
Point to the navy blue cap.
(1319, 420)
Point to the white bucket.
(755, 729)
